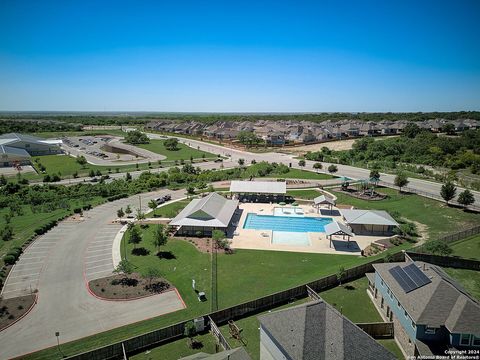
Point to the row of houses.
(303, 132)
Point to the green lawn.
(184, 152)
(469, 279)
(170, 210)
(353, 302)
(392, 346)
(303, 174)
(439, 218)
(467, 248)
(307, 194)
(178, 349)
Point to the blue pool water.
(285, 223)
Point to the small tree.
(241, 162)
(375, 175)
(401, 180)
(318, 166)
(7, 233)
(124, 268)
(448, 191)
(82, 161)
(171, 144)
(3, 180)
(120, 213)
(128, 177)
(135, 236)
(466, 198)
(190, 331)
(128, 210)
(438, 247)
(91, 173)
(302, 163)
(332, 169)
(152, 204)
(341, 274)
(219, 238)
(190, 190)
(150, 274)
(160, 236)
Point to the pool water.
(290, 238)
(285, 223)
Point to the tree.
(340, 274)
(449, 129)
(401, 181)
(136, 137)
(124, 268)
(247, 138)
(448, 191)
(332, 169)
(160, 236)
(91, 173)
(411, 130)
(128, 210)
(7, 233)
(82, 161)
(3, 180)
(135, 236)
(190, 331)
(438, 247)
(241, 162)
(466, 198)
(190, 190)
(120, 213)
(219, 238)
(152, 204)
(375, 175)
(302, 163)
(171, 144)
(150, 274)
(128, 176)
(317, 166)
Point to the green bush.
(9, 259)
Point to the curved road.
(57, 264)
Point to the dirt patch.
(422, 231)
(12, 309)
(121, 287)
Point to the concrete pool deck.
(262, 239)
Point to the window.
(382, 282)
(430, 330)
(476, 340)
(465, 339)
(398, 304)
(413, 325)
(406, 314)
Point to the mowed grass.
(391, 345)
(303, 174)
(169, 211)
(438, 217)
(307, 194)
(467, 248)
(184, 152)
(469, 279)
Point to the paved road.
(57, 264)
(428, 188)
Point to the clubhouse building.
(18, 148)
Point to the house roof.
(234, 354)
(8, 150)
(322, 199)
(368, 217)
(12, 138)
(316, 330)
(211, 211)
(336, 228)
(440, 302)
(259, 187)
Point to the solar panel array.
(410, 277)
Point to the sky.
(240, 56)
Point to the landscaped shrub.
(87, 207)
(9, 259)
(117, 197)
(77, 210)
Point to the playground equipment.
(235, 331)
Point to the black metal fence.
(446, 261)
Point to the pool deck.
(262, 239)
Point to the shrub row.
(43, 229)
(117, 197)
(12, 255)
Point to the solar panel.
(403, 280)
(417, 275)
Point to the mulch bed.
(120, 287)
(360, 195)
(14, 308)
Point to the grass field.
(184, 152)
(170, 210)
(307, 194)
(467, 248)
(438, 217)
(469, 279)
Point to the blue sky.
(226, 56)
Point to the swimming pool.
(285, 223)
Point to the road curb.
(24, 314)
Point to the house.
(20, 148)
(315, 330)
(369, 222)
(202, 216)
(234, 354)
(369, 129)
(430, 311)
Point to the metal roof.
(211, 211)
(316, 330)
(368, 217)
(322, 199)
(259, 187)
(442, 302)
(336, 228)
(14, 151)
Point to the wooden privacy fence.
(218, 334)
(220, 317)
(378, 330)
(312, 294)
(445, 261)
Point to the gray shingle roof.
(368, 217)
(258, 187)
(322, 199)
(441, 302)
(336, 228)
(317, 331)
(211, 211)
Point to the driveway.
(58, 264)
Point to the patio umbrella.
(295, 204)
(282, 203)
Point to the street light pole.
(57, 334)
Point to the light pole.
(57, 334)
